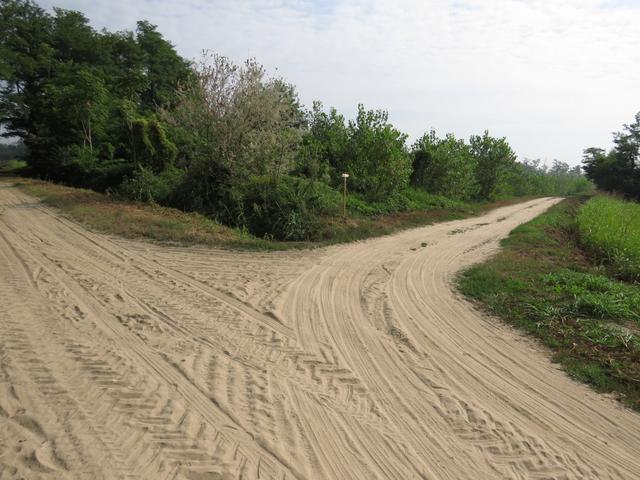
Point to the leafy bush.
(107, 175)
(287, 209)
(13, 166)
(236, 121)
(419, 199)
(146, 186)
(610, 228)
(151, 147)
(80, 167)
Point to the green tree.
(618, 170)
(163, 69)
(230, 123)
(377, 159)
(444, 166)
(324, 145)
(25, 65)
(368, 148)
(70, 93)
(494, 158)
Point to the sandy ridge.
(122, 359)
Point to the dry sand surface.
(123, 359)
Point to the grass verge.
(610, 230)
(543, 282)
(108, 214)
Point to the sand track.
(123, 359)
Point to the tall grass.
(610, 228)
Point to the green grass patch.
(108, 214)
(610, 230)
(544, 283)
(13, 167)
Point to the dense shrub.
(146, 186)
(287, 209)
(81, 168)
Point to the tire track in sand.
(355, 361)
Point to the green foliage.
(146, 186)
(14, 167)
(594, 296)
(79, 166)
(619, 170)
(378, 163)
(610, 229)
(63, 85)
(324, 146)
(288, 209)
(162, 68)
(95, 108)
(419, 199)
(532, 177)
(494, 158)
(151, 148)
(231, 123)
(444, 166)
(368, 148)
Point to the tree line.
(617, 171)
(11, 151)
(123, 112)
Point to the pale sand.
(123, 359)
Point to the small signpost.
(344, 195)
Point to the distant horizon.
(522, 70)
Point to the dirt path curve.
(122, 359)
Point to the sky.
(553, 76)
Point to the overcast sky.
(552, 76)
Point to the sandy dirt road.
(123, 359)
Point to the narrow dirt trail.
(123, 359)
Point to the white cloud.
(553, 76)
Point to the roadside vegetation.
(118, 216)
(610, 230)
(560, 278)
(123, 113)
(12, 158)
